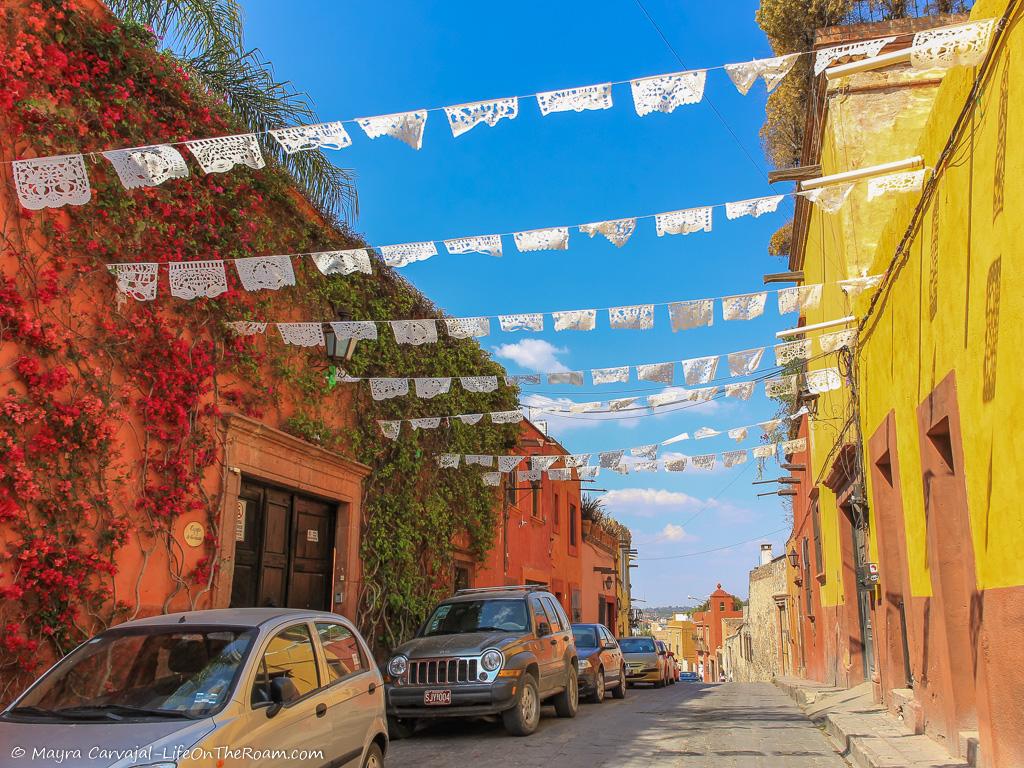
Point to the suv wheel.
(523, 718)
(598, 695)
(619, 691)
(401, 729)
(567, 703)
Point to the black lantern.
(794, 558)
(339, 349)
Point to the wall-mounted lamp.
(339, 349)
(794, 558)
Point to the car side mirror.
(543, 629)
(282, 691)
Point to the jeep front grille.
(441, 671)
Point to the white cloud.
(673, 533)
(534, 355)
(648, 497)
(652, 502)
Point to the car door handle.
(372, 688)
(321, 710)
(554, 641)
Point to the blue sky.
(360, 59)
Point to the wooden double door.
(284, 549)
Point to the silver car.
(253, 686)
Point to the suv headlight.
(491, 660)
(397, 666)
(584, 664)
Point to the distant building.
(708, 633)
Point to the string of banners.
(56, 181)
(682, 315)
(696, 371)
(612, 460)
(815, 382)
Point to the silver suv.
(496, 651)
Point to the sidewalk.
(862, 731)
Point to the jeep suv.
(496, 651)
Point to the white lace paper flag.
(468, 327)
(824, 58)
(585, 407)
(428, 388)
(479, 383)
(677, 439)
(705, 462)
(609, 459)
(195, 279)
(147, 166)
(663, 373)
(491, 478)
(785, 386)
(961, 45)
(741, 390)
(575, 320)
(138, 281)
(528, 476)
(645, 466)
(588, 473)
(318, 136)
(911, 181)
(559, 474)
(403, 254)
(51, 182)
(448, 460)
(482, 461)
(610, 375)
(465, 117)
(799, 297)
(746, 362)
(391, 429)
(744, 307)
(765, 451)
(361, 330)
(700, 370)
(831, 198)
(640, 317)
(773, 70)
(683, 222)
(470, 418)
(343, 262)
(739, 434)
(431, 422)
(855, 286)
(703, 394)
(666, 92)
(691, 314)
(407, 127)
(247, 328)
(705, 432)
(530, 322)
(792, 351)
(223, 153)
(822, 381)
(576, 460)
(675, 465)
(621, 404)
(269, 273)
(302, 334)
(622, 469)
(573, 378)
(618, 231)
(754, 207)
(385, 389)
(523, 378)
(414, 332)
(489, 245)
(669, 396)
(732, 458)
(830, 342)
(550, 239)
(507, 463)
(789, 447)
(576, 99)
(542, 462)
(645, 451)
(506, 417)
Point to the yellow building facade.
(910, 479)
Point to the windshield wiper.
(115, 710)
(31, 711)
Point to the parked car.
(689, 677)
(495, 651)
(601, 665)
(673, 667)
(187, 686)
(666, 655)
(645, 662)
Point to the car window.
(606, 635)
(637, 645)
(586, 637)
(553, 618)
(342, 651)
(289, 655)
(539, 616)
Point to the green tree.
(206, 37)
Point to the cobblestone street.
(739, 725)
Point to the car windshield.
(167, 672)
(636, 645)
(505, 615)
(586, 637)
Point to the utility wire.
(716, 549)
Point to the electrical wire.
(709, 551)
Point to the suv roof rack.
(509, 587)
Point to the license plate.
(437, 698)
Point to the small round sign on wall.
(194, 534)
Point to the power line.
(716, 549)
